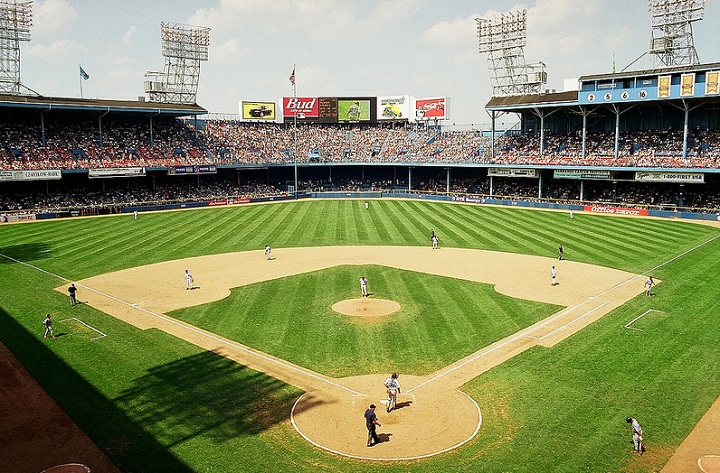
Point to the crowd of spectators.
(134, 192)
(647, 148)
(78, 144)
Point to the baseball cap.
(372, 406)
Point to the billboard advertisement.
(353, 110)
(431, 108)
(257, 111)
(394, 107)
(302, 107)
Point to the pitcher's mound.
(366, 307)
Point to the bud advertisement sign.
(396, 107)
(431, 109)
(302, 107)
(257, 110)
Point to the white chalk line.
(195, 330)
(88, 326)
(417, 457)
(628, 325)
(441, 374)
(524, 332)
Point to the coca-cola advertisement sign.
(434, 108)
(301, 107)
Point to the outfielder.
(393, 388)
(637, 437)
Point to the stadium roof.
(552, 99)
(713, 66)
(103, 105)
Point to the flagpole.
(81, 79)
(295, 133)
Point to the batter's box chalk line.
(649, 311)
(88, 326)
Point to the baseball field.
(269, 365)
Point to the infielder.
(553, 273)
(435, 242)
(267, 251)
(189, 280)
(393, 388)
(363, 286)
(649, 283)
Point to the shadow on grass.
(26, 252)
(122, 438)
(206, 395)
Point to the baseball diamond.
(477, 383)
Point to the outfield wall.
(470, 199)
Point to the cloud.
(128, 36)
(52, 16)
(58, 51)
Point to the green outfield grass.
(168, 406)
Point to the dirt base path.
(142, 295)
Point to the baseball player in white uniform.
(267, 251)
(637, 437)
(553, 273)
(363, 286)
(393, 389)
(649, 283)
(189, 280)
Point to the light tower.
(15, 22)
(672, 36)
(184, 47)
(503, 39)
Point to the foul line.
(195, 330)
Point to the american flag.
(292, 77)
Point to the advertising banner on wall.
(580, 174)
(39, 175)
(683, 177)
(302, 107)
(431, 108)
(257, 110)
(394, 107)
(510, 172)
(607, 209)
(115, 172)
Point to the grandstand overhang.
(99, 105)
(519, 103)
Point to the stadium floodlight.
(504, 39)
(15, 22)
(672, 35)
(184, 47)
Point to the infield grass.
(172, 407)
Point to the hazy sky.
(423, 48)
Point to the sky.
(422, 48)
